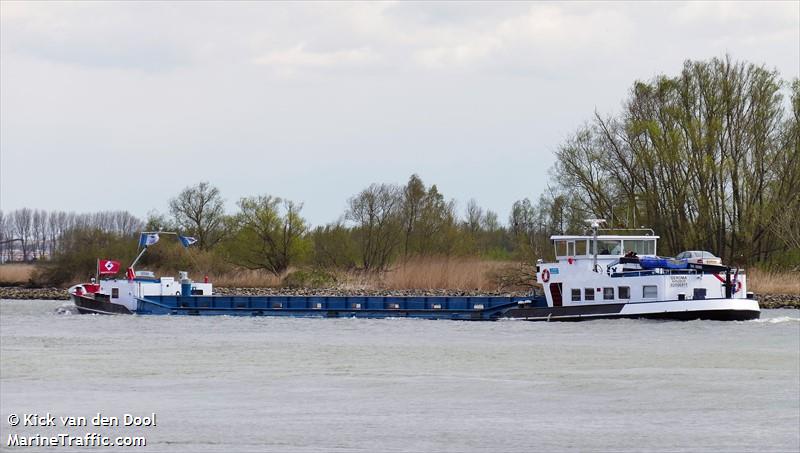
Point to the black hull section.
(88, 305)
(613, 312)
(709, 315)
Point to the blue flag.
(186, 240)
(147, 239)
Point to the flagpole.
(138, 256)
(97, 271)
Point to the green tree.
(412, 205)
(702, 157)
(436, 226)
(334, 247)
(267, 233)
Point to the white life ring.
(545, 275)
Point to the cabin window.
(576, 295)
(624, 292)
(607, 247)
(580, 248)
(561, 248)
(641, 247)
(608, 293)
(588, 293)
(649, 291)
(115, 293)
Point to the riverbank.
(16, 292)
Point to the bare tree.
(22, 219)
(490, 222)
(475, 216)
(376, 214)
(39, 233)
(199, 211)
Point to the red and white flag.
(107, 267)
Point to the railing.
(662, 271)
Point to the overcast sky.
(118, 106)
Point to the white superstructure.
(623, 271)
(124, 292)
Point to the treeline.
(382, 224)
(709, 158)
(31, 234)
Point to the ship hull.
(460, 308)
(91, 305)
(706, 309)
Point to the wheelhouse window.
(609, 247)
(588, 293)
(624, 292)
(561, 248)
(649, 291)
(640, 246)
(608, 293)
(576, 295)
(580, 248)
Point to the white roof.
(602, 236)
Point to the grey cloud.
(315, 100)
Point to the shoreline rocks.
(778, 300)
(21, 292)
(18, 292)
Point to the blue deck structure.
(464, 308)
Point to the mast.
(595, 225)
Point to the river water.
(322, 385)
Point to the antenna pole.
(137, 257)
(594, 243)
(595, 224)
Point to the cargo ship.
(593, 276)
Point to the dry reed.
(431, 273)
(773, 282)
(245, 278)
(16, 273)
